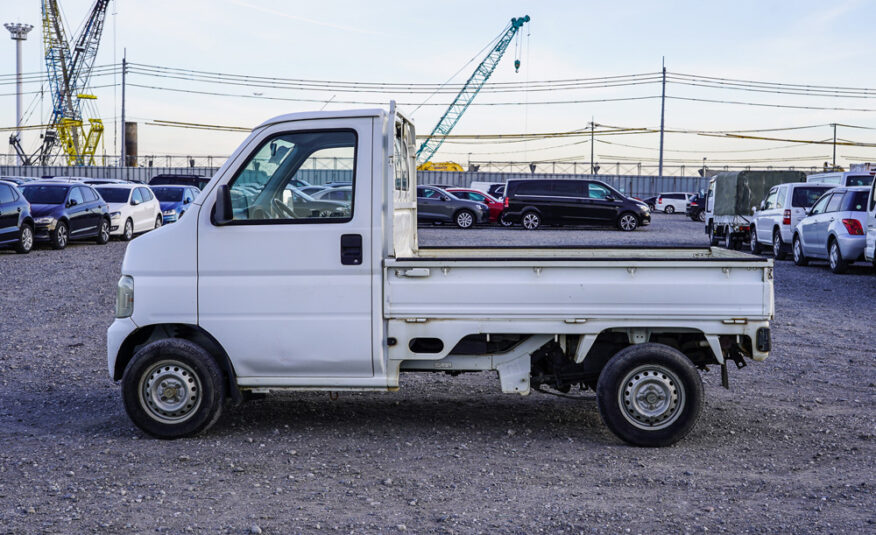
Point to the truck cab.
(268, 291)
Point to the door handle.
(351, 249)
(414, 272)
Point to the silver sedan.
(834, 229)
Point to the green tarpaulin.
(738, 192)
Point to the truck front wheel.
(173, 388)
(649, 395)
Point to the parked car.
(495, 189)
(172, 179)
(496, 206)
(174, 200)
(99, 181)
(67, 211)
(340, 193)
(870, 249)
(671, 203)
(133, 209)
(834, 229)
(841, 178)
(310, 190)
(779, 213)
(651, 202)
(16, 223)
(336, 184)
(696, 208)
(435, 205)
(17, 180)
(302, 206)
(572, 202)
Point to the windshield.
(114, 194)
(168, 194)
(44, 194)
(806, 197)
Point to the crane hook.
(516, 65)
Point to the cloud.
(303, 19)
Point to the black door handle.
(351, 249)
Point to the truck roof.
(308, 115)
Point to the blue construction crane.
(471, 88)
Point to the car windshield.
(44, 194)
(114, 194)
(806, 197)
(168, 194)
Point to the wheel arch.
(192, 333)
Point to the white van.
(870, 249)
(784, 206)
(842, 178)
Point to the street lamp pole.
(18, 33)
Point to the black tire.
(797, 248)
(159, 221)
(25, 239)
(464, 219)
(701, 216)
(103, 232)
(192, 377)
(835, 260)
(669, 209)
(627, 222)
(729, 241)
(754, 246)
(60, 237)
(779, 249)
(653, 207)
(713, 240)
(504, 220)
(668, 382)
(530, 220)
(128, 231)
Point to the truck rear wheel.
(650, 395)
(173, 388)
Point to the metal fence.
(640, 186)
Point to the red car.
(492, 203)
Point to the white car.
(671, 203)
(870, 248)
(343, 194)
(133, 209)
(783, 208)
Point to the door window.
(89, 194)
(834, 204)
(472, 196)
(76, 195)
(145, 194)
(568, 188)
(780, 198)
(770, 201)
(264, 191)
(136, 197)
(820, 205)
(534, 187)
(597, 191)
(401, 164)
(5, 194)
(429, 193)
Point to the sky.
(799, 42)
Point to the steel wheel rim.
(530, 221)
(464, 219)
(129, 229)
(170, 392)
(651, 397)
(62, 235)
(26, 238)
(628, 222)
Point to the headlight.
(125, 297)
(169, 212)
(44, 220)
(115, 215)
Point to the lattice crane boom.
(469, 91)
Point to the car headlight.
(115, 215)
(125, 297)
(44, 220)
(169, 212)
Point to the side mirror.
(222, 209)
(186, 201)
(610, 198)
(134, 202)
(445, 199)
(763, 205)
(72, 202)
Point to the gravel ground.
(789, 449)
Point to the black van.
(572, 202)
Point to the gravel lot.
(789, 449)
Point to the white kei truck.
(259, 289)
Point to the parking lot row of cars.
(58, 210)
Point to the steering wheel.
(281, 207)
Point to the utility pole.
(834, 146)
(18, 33)
(592, 163)
(124, 72)
(662, 112)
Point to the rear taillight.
(659, 201)
(854, 227)
(506, 202)
(786, 217)
(693, 204)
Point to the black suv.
(572, 202)
(696, 209)
(16, 223)
(67, 211)
(197, 181)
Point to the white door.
(286, 287)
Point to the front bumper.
(116, 335)
(43, 231)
